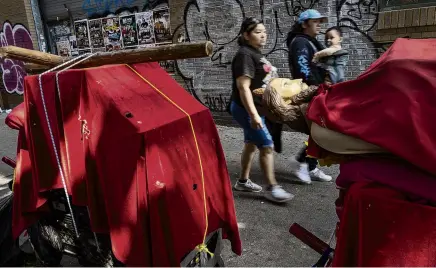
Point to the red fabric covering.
(16, 117)
(129, 155)
(394, 173)
(392, 104)
(379, 227)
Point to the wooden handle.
(40, 61)
(308, 238)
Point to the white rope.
(68, 67)
(59, 93)
(61, 172)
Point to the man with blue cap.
(303, 45)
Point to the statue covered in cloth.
(286, 101)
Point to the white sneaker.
(318, 175)
(277, 194)
(248, 186)
(302, 173)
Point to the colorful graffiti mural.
(13, 71)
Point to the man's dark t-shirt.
(250, 62)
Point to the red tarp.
(391, 105)
(128, 154)
(394, 173)
(381, 227)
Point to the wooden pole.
(40, 61)
(151, 54)
(33, 68)
(29, 55)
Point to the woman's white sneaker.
(247, 186)
(277, 194)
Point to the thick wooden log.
(33, 68)
(37, 59)
(29, 55)
(151, 54)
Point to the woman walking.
(302, 45)
(251, 70)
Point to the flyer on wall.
(111, 33)
(82, 34)
(73, 45)
(162, 30)
(128, 31)
(144, 23)
(63, 48)
(96, 33)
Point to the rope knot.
(203, 248)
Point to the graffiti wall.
(12, 71)
(209, 80)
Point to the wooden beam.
(29, 55)
(151, 54)
(37, 59)
(33, 68)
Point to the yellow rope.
(202, 247)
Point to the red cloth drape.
(129, 155)
(381, 227)
(392, 104)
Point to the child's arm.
(325, 53)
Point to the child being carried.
(333, 58)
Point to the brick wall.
(19, 11)
(210, 80)
(413, 23)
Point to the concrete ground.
(263, 226)
(8, 145)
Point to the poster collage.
(143, 29)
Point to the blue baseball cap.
(311, 14)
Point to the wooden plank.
(387, 19)
(409, 18)
(416, 16)
(430, 15)
(381, 21)
(394, 19)
(401, 18)
(423, 17)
